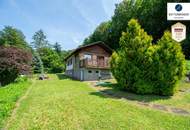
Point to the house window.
(97, 71)
(89, 71)
(87, 56)
(71, 62)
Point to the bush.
(170, 66)
(51, 60)
(144, 68)
(188, 66)
(21, 78)
(143, 87)
(13, 61)
(57, 69)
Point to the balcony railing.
(88, 63)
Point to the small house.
(89, 62)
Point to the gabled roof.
(100, 43)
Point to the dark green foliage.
(188, 66)
(64, 54)
(141, 67)
(186, 44)
(10, 36)
(143, 87)
(57, 48)
(152, 15)
(13, 61)
(101, 33)
(51, 60)
(8, 74)
(47, 57)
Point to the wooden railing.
(88, 63)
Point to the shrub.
(13, 61)
(144, 68)
(57, 68)
(51, 60)
(143, 87)
(188, 66)
(170, 66)
(21, 78)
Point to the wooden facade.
(89, 62)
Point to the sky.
(65, 21)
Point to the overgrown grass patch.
(8, 97)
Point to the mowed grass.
(8, 97)
(64, 104)
(181, 99)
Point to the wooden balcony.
(88, 63)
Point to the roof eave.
(79, 48)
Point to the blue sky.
(65, 21)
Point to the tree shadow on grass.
(62, 76)
(112, 91)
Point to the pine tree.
(39, 40)
(57, 48)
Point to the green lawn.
(8, 97)
(63, 104)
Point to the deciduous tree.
(10, 36)
(51, 60)
(13, 61)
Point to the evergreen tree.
(57, 48)
(39, 40)
(144, 68)
(37, 63)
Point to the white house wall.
(70, 67)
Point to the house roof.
(100, 43)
